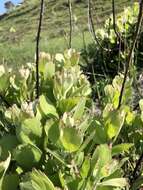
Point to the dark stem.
(37, 47)
(70, 22)
(138, 27)
(91, 25)
(114, 20)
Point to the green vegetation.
(18, 29)
(101, 63)
(58, 142)
(62, 139)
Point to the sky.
(2, 10)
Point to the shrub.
(57, 142)
(110, 58)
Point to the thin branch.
(114, 21)
(70, 22)
(136, 35)
(91, 27)
(37, 47)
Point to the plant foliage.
(58, 141)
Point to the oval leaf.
(71, 139)
(27, 156)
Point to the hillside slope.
(18, 28)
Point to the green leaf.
(85, 168)
(79, 110)
(3, 168)
(121, 148)
(63, 83)
(109, 169)
(74, 184)
(114, 122)
(84, 125)
(36, 180)
(8, 143)
(47, 68)
(52, 130)
(71, 139)
(100, 159)
(109, 91)
(73, 56)
(118, 173)
(100, 133)
(86, 142)
(130, 118)
(47, 107)
(27, 156)
(79, 158)
(117, 182)
(30, 131)
(4, 82)
(10, 181)
(66, 105)
(104, 155)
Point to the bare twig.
(138, 28)
(70, 22)
(114, 21)
(37, 47)
(92, 28)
